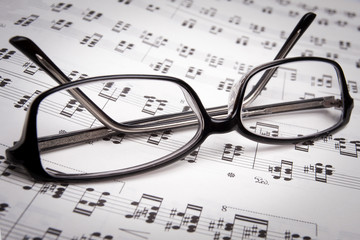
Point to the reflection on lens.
(73, 141)
(294, 99)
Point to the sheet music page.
(228, 188)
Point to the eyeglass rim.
(28, 141)
(348, 102)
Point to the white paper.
(230, 187)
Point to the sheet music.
(229, 187)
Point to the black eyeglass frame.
(26, 151)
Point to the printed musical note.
(243, 40)
(90, 15)
(347, 148)
(60, 7)
(226, 85)
(341, 23)
(3, 207)
(283, 2)
(153, 40)
(187, 3)
(25, 100)
(152, 8)
(317, 41)
(60, 24)
(31, 68)
(214, 61)
(190, 218)
(121, 26)
(185, 51)
(284, 171)
(352, 85)
(344, 45)
(123, 46)
(266, 129)
(267, 10)
(193, 72)
(332, 55)
(92, 40)
(4, 81)
(163, 67)
(76, 75)
(147, 208)
(293, 13)
(215, 29)
(325, 80)
(191, 158)
(330, 11)
(51, 233)
(26, 21)
(257, 28)
(115, 139)
(126, 2)
(156, 138)
(211, 12)
(113, 93)
(307, 7)
(304, 147)
(86, 205)
(320, 171)
(6, 54)
(235, 20)
(231, 151)
(245, 227)
(71, 108)
(152, 105)
(268, 45)
(248, 2)
(57, 190)
(292, 236)
(307, 53)
(190, 23)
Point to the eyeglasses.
(116, 125)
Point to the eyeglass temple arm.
(35, 54)
(290, 42)
(184, 119)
